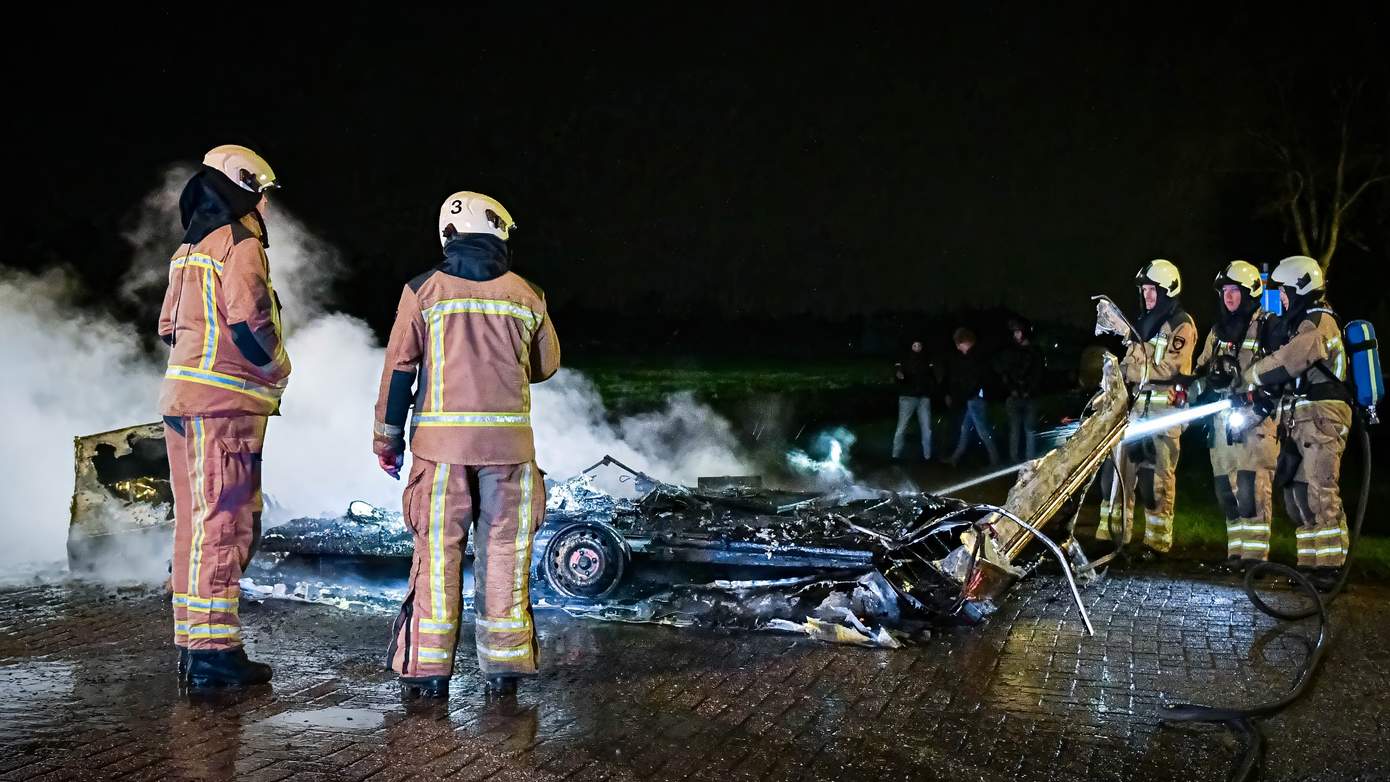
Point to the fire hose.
(1242, 720)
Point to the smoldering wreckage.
(850, 565)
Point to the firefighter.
(1243, 449)
(474, 335)
(1154, 361)
(1309, 361)
(227, 370)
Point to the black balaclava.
(1150, 322)
(210, 200)
(477, 257)
(1231, 326)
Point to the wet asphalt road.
(87, 691)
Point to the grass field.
(858, 394)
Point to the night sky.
(712, 168)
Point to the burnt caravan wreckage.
(852, 565)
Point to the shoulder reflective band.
(486, 307)
(472, 419)
(218, 380)
(199, 260)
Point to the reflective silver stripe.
(436, 324)
(431, 626)
(472, 419)
(438, 603)
(504, 624)
(209, 321)
(206, 604)
(432, 653)
(200, 506)
(1327, 533)
(387, 430)
(504, 654)
(215, 631)
(487, 307)
(523, 547)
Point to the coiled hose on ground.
(1242, 720)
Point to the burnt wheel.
(584, 561)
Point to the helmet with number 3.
(466, 212)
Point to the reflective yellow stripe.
(195, 555)
(219, 380)
(198, 260)
(520, 599)
(438, 604)
(473, 419)
(209, 320)
(436, 325)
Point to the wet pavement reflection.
(87, 690)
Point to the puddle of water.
(335, 718)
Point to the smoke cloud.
(74, 373)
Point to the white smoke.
(73, 373)
(68, 372)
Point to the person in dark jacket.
(967, 377)
(916, 378)
(1020, 367)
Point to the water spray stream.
(1142, 429)
(980, 479)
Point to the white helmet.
(1162, 274)
(1301, 273)
(1243, 274)
(244, 167)
(467, 212)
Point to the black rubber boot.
(183, 665)
(500, 685)
(230, 668)
(425, 687)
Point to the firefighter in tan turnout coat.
(470, 337)
(1152, 365)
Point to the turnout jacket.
(221, 319)
(475, 346)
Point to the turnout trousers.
(1243, 474)
(505, 503)
(215, 473)
(1149, 468)
(1318, 431)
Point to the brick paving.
(87, 691)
